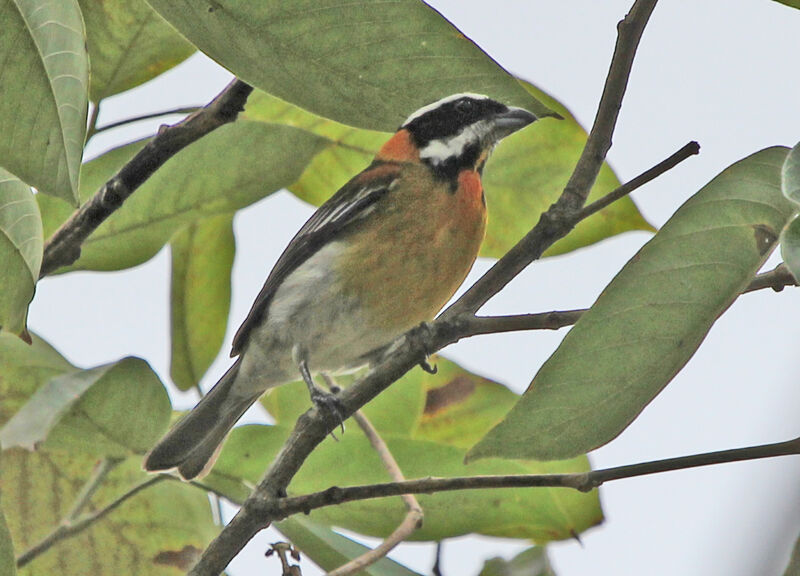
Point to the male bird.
(382, 255)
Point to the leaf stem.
(91, 129)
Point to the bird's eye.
(464, 107)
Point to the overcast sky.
(722, 72)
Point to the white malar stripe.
(438, 151)
(433, 106)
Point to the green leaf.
(202, 259)
(791, 3)
(368, 64)
(652, 317)
(8, 564)
(24, 369)
(231, 168)
(541, 515)
(108, 411)
(526, 174)
(790, 175)
(530, 562)
(129, 43)
(159, 532)
(44, 82)
(330, 550)
(21, 244)
(790, 247)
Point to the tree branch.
(73, 526)
(583, 482)
(311, 428)
(777, 279)
(562, 216)
(64, 247)
(690, 149)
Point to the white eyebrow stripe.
(434, 105)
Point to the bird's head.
(456, 133)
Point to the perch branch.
(64, 247)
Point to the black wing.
(348, 205)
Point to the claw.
(326, 402)
(430, 369)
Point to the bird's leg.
(324, 401)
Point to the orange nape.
(399, 148)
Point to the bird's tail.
(192, 443)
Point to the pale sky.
(722, 72)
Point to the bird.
(381, 256)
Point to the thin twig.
(64, 247)
(311, 428)
(413, 519)
(437, 563)
(91, 486)
(72, 528)
(583, 482)
(776, 279)
(690, 149)
(132, 119)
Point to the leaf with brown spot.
(461, 406)
(454, 392)
(182, 559)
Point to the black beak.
(510, 121)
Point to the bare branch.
(690, 149)
(64, 247)
(583, 482)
